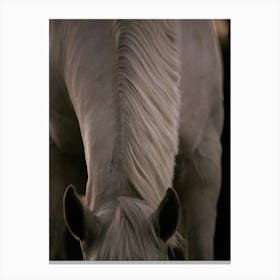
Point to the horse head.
(126, 229)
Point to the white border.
(24, 138)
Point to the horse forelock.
(130, 234)
(147, 86)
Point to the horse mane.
(147, 77)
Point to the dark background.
(222, 237)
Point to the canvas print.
(139, 140)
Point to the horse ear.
(74, 213)
(166, 217)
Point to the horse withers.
(135, 108)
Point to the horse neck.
(141, 136)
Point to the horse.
(136, 113)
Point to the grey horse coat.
(136, 107)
